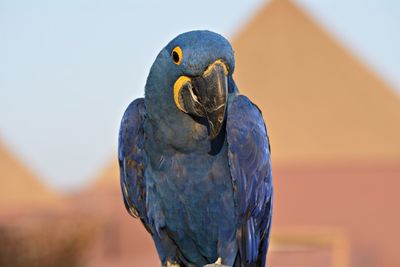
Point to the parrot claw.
(218, 263)
(172, 264)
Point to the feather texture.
(131, 157)
(250, 165)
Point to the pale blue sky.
(69, 68)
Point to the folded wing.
(131, 160)
(250, 166)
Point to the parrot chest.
(193, 196)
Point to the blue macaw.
(195, 161)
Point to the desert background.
(333, 121)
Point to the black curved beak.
(206, 96)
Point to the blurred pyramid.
(334, 129)
(319, 101)
(18, 186)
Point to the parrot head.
(191, 77)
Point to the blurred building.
(334, 129)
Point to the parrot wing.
(131, 160)
(250, 167)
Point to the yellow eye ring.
(176, 55)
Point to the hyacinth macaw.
(194, 158)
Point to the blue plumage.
(195, 159)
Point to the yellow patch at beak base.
(177, 87)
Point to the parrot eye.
(177, 55)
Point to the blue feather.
(249, 160)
